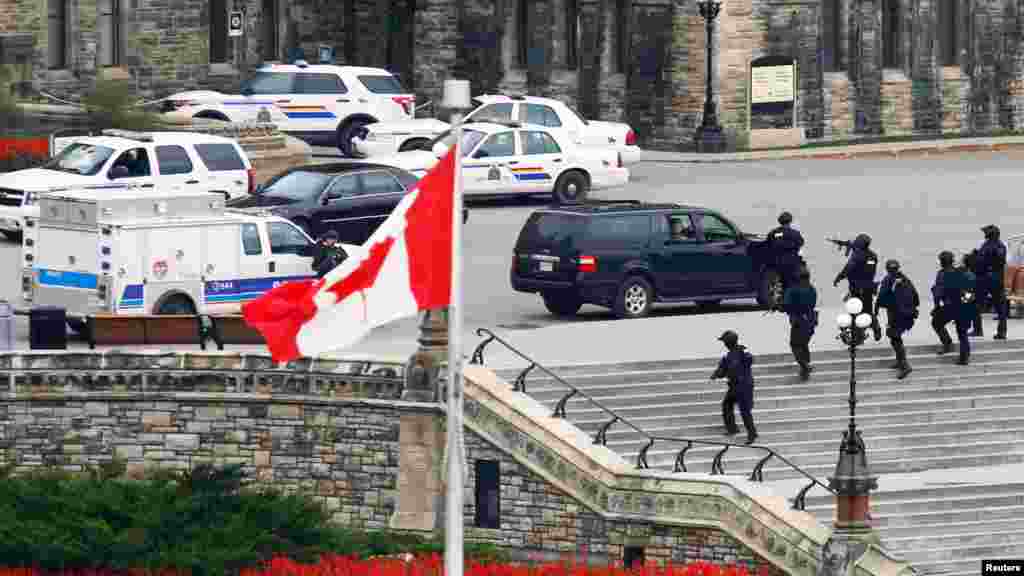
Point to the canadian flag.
(404, 267)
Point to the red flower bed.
(429, 566)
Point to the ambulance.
(147, 252)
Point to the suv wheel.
(769, 293)
(562, 303)
(571, 187)
(635, 298)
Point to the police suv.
(139, 252)
(323, 104)
(171, 160)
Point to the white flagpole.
(453, 549)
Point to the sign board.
(236, 22)
(772, 84)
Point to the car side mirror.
(439, 149)
(118, 172)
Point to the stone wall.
(339, 431)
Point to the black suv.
(628, 255)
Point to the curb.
(850, 152)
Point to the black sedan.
(352, 198)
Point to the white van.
(176, 161)
(140, 252)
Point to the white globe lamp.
(863, 320)
(844, 320)
(854, 306)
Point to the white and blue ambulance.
(148, 252)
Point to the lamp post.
(853, 480)
(709, 135)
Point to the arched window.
(572, 33)
(523, 32)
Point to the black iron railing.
(717, 464)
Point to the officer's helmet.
(785, 218)
(892, 266)
(946, 258)
(729, 338)
(862, 241)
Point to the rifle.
(842, 244)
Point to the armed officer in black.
(901, 301)
(327, 254)
(800, 303)
(785, 243)
(736, 366)
(991, 271)
(953, 297)
(860, 273)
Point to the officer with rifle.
(990, 271)
(785, 243)
(861, 265)
(328, 254)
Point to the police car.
(391, 137)
(513, 158)
(323, 104)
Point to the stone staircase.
(938, 422)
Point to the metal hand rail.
(717, 466)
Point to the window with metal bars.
(572, 33)
(488, 494)
(891, 34)
(271, 46)
(57, 34)
(949, 13)
(109, 32)
(623, 15)
(218, 31)
(832, 13)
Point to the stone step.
(667, 414)
(942, 560)
(786, 423)
(787, 383)
(684, 402)
(539, 385)
(744, 465)
(954, 541)
(870, 351)
(957, 491)
(946, 502)
(822, 449)
(951, 528)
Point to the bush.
(205, 522)
(111, 104)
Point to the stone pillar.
(423, 370)
(421, 443)
(866, 65)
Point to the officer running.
(860, 273)
(900, 300)
(785, 243)
(327, 254)
(736, 366)
(991, 272)
(799, 303)
(953, 297)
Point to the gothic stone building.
(863, 67)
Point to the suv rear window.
(382, 84)
(269, 83)
(550, 230)
(219, 157)
(619, 231)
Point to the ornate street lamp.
(853, 480)
(709, 136)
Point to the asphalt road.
(912, 208)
